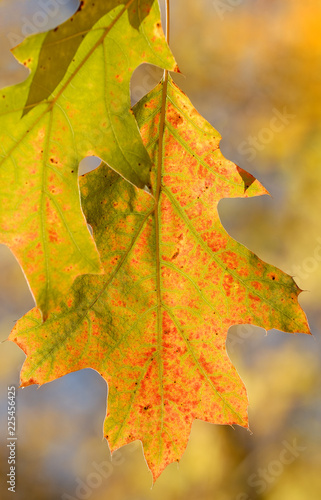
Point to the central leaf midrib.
(43, 218)
(157, 216)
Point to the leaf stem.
(162, 118)
(167, 21)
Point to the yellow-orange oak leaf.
(155, 325)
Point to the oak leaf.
(155, 325)
(74, 103)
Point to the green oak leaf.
(86, 112)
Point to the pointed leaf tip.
(252, 187)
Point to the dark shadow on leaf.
(62, 43)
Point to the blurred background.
(253, 69)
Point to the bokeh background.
(245, 65)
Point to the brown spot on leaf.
(175, 255)
(81, 6)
